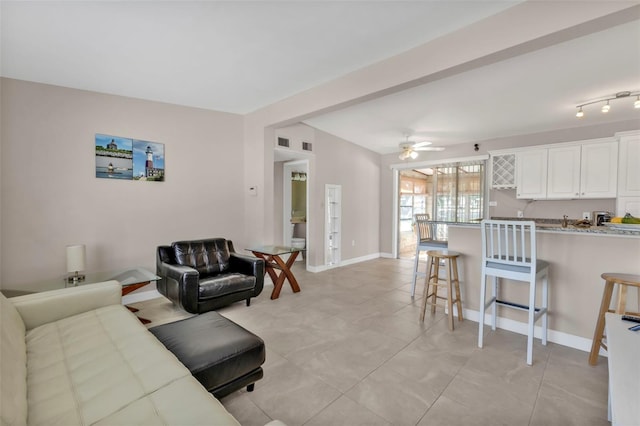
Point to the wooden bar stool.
(431, 283)
(611, 279)
(426, 232)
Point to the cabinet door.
(563, 172)
(531, 174)
(629, 169)
(599, 176)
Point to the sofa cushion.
(87, 367)
(221, 285)
(178, 403)
(208, 257)
(13, 366)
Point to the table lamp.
(76, 256)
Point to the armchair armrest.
(249, 266)
(41, 308)
(181, 284)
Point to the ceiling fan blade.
(430, 148)
(421, 144)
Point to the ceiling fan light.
(580, 113)
(413, 155)
(636, 104)
(606, 107)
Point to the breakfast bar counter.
(577, 257)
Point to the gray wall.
(51, 198)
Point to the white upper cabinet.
(629, 169)
(531, 174)
(599, 170)
(563, 172)
(586, 169)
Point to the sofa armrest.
(41, 308)
(248, 265)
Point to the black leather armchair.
(204, 275)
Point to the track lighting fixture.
(607, 106)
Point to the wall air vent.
(283, 142)
(306, 146)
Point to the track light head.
(607, 106)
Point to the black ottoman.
(220, 354)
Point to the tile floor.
(349, 349)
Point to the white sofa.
(76, 356)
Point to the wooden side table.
(273, 263)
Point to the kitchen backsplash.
(509, 205)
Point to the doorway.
(295, 208)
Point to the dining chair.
(509, 251)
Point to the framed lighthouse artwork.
(129, 159)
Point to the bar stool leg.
(427, 282)
(416, 264)
(483, 298)
(456, 280)
(449, 293)
(436, 279)
(545, 305)
(597, 336)
(621, 306)
(494, 298)
(532, 315)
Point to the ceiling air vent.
(306, 146)
(283, 142)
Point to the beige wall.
(357, 170)
(51, 197)
(337, 161)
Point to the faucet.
(564, 221)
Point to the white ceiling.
(239, 56)
(530, 93)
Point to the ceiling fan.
(410, 149)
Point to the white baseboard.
(559, 337)
(352, 261)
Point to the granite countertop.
(555, 225)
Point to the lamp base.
(75, 278)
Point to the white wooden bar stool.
(509, 251)
(432, 282)
(426, 241)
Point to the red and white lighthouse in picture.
(149, 164)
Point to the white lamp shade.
(76, 257)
